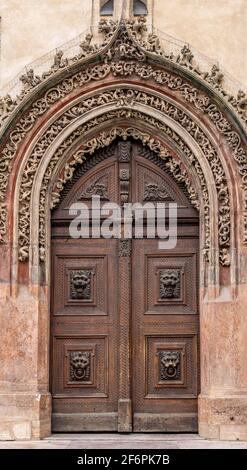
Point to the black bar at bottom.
(89, 458)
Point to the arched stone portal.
(127, 89)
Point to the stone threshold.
(123, 441)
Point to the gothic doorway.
(124, 314)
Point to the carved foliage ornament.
(155, 192)
(40, 107)
(98, 72)
(152, 101)
(131, 43)
(98, 187)
(104, 139)
(218, 171)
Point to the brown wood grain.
(124, 316)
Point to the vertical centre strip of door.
(125, 245)
(124, 402)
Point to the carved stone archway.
(126, 88)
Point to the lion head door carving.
(169, 284)
(169, 365)
(80, 284)
(79, 365)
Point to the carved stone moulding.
(3, 223)
(145, 71)
(99, 72)
(160, 104)
(131, 42)
(201, 102)
(91, 146)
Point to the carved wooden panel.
(165, 332)
(84, 334)
(80, 282)
(152, 186)
(82, 365)
(100, 180)
(171, 366)
(171, 283)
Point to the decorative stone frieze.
(168, 109)
(104, 139)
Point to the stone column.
(223, 398)
(25, 403)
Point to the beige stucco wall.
(31, 28)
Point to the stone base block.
(25, 416)
(223, 418)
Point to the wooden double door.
(124, 313)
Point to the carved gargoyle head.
(80, 281)
(170, 361)
(79, 361)
(170, 358)
(169, 279)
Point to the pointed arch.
(128, 86)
